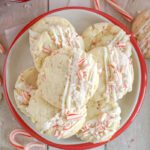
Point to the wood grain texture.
(25, 12)
(53, 4)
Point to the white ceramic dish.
(19, 59)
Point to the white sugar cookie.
(52, 121)
(68, 77)
(141, 30)
(103, 120)
(24, 87)
(104, 34)
(115, 73)
(49, 34)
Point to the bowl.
(19, 58)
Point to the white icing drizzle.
(120, 35)
(75, 93)
(65, 37)
(118, 73)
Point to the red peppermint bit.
(57, 133)
(112, 66)
(66, 112)
(72, 114)
(67, 126)
(55, 126)
(73, 117)
(125, 85)
(2, 50)
(47, 50)
(84, 73)
(26, 97)
(86, 126)
(120, 44)
(82, 61)
(99, 126)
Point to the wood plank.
(53, 4)
(25, 12)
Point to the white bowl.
(19, 59)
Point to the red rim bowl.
(141, 93)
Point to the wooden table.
(137, 136)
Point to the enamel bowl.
(19, 59)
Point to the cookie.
(104, 34)
(116, 73)
(68, 78)
(103, 120)
(51, 120)
(24, 87)
(49, 34)
(141, 30)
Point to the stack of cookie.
(77, 81)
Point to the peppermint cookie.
(68, 78)
(49, 34)
(103, 34)
(52, 121)
(103, 120)
(141, 30)
(24, 87)
(115, 73)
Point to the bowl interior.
(19, 59)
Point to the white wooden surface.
(137, 136)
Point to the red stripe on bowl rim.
(141, 93)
